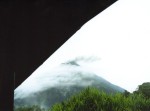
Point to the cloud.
(87, 59)
(84, 59)
(62, 75)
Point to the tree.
(126, 93)
(144, 89)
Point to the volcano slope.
(59, 84)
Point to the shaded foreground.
(92, 99)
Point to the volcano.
(59, 84)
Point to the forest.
(92, 99)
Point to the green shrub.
(92, 99)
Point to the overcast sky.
(120, 37)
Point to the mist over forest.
(63, 81)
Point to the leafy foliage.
(92, 99)
(144, 89)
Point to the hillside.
(70, 78)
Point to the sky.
(119, 36)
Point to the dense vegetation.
(144, 89)
(92, 99)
